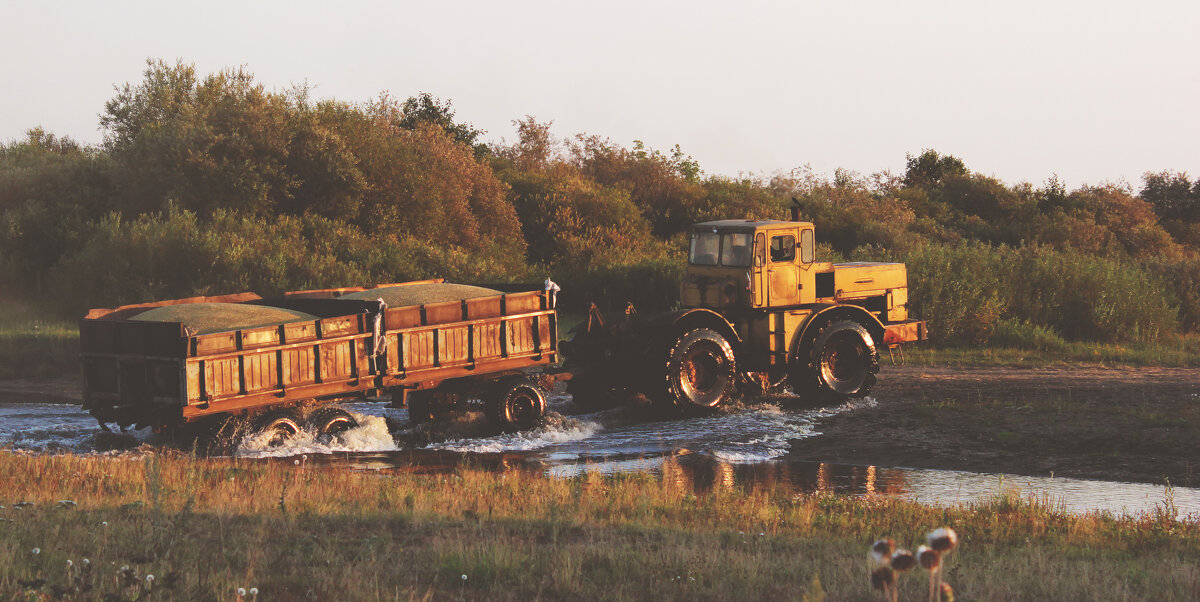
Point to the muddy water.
(745, 447)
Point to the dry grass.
(207, 527)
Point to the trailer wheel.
(329, 422)
(517, 404)
(701, 370)
(844, 360)
(276, 426)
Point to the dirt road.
(1124, 424)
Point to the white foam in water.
(54, 428)
(371, 435)
(556, 430)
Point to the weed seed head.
(241, 591)
(37, 551)
(943, 539)
(903, 560)
(929, 558)
(254, 591)
(464, 577)
(882, 550)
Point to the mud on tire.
(701, 371)
(842, 362)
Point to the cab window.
(806, 246)
(706, 248)
(783, 248)
(736, 249)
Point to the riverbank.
(1137, 424)
(207, 527)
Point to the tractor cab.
(772, 265)
(753, 264)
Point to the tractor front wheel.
(844, 361)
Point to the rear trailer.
(169, 363)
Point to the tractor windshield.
(735, 249)
(706, 247)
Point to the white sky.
(1094, 91)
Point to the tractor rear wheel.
(701, 371)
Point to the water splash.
(556, 429)
(371, 435)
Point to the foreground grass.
(207, 527)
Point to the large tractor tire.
(843, 362)
(516, 404)
(701, 371)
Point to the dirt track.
(1124, 424)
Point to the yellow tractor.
(758, 310)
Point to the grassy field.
(205, 528)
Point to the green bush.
(1020, 334)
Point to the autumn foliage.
(214, 184)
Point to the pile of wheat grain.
(420, 294)
(207, 318)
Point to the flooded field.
(747, 447)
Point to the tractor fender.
(827, 313)
(675, 323)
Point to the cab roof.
(745, 224)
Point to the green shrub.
(1020, 334)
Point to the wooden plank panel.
(334, 362)
(520, 335)
(453, 345)
(260, 372)
(260, 337)
(222, 377)
(298, 366)
(487, 341)
(193, 381)
(418, 349)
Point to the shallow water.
(746, 447)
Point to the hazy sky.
(1094, 91)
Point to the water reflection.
(703, 474)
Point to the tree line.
(213, 184)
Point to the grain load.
(421, 294)
(207, 318)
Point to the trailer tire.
(329, 422)
(843, 361)
(276, 426)
(701, 371)
(516, 404)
